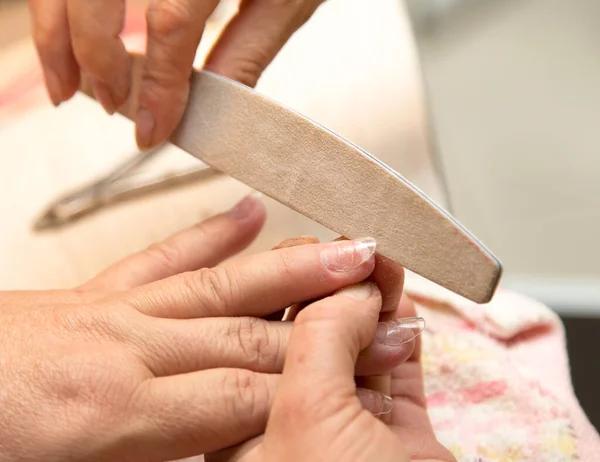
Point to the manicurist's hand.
(166, 354)
(74, 35)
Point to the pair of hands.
(168, 354)
(75, 37)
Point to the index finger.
(174, 31)
(258, 285)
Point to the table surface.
(353, 68)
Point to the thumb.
(316, 412)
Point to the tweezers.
(121, 184)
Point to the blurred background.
(514, 94)
(489, 106)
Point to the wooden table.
(352, 67)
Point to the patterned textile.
(497, 379)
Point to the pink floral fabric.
(497, 379)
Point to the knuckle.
(83, 320)
(260, 348)
(214, 285)
(164, 254)
(88, 378)
(248, 68)
(167, 18)
(245, 393)
(105, 320)
(302, 9)
(165, 77)
(96, 322)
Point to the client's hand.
(165, 355)
(316, 415)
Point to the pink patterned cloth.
(497, 379)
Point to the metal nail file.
(310, 169)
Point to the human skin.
(166, 354)
(74, 37)
(316, 415)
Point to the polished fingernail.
(54, 85)
(375, 402)
(360, 291)
(104, 96)
(144, 123)
(399, 331)
(244, 208)
(347, 255)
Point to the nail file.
(317, 173)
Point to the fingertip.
(249, 214)
(53, 86)
(361, 291)
(123, 80)
(112, 92)
(343, 257)
(250, 207)
(375, 402)
(160, 109)
(71, 81)
(144, 128)
(406, 307)
(104, 96)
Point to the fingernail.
(54, 85)
(104, 96)
(245, 208)
(360, 291)
(375, 402)
(144, 123)
(400, 331)
(347, 255)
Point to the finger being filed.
(53, 42)
(185, 415)
(254, 37)
(203, 245)
(389, 277)
(296, 241)
(258, 285)
(100, 52)
(291, 242)
(174, 31)
(175, 346)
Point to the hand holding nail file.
(310, 169)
